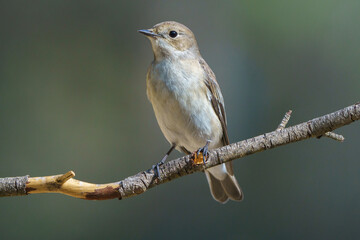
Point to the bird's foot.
(156, 169)
(201, 155)
(156, 166)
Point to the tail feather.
(216, 188)
(232, 188)
(223, 184)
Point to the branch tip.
(335, 136)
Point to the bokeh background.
(72, 97)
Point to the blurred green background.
(72, 97)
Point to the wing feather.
(216, 98)
(217, 102)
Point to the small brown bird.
(188, 103)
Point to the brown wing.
(217, 102)
(215, 98)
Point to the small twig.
(66, 176)
(284, 121)
(334, 136)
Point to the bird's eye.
(173, 34)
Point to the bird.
(187, 102)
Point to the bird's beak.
(148, 32)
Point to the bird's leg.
(204, 152)
(156, 166)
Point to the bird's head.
(171, 39)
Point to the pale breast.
(181, 105)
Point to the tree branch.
(145, 180)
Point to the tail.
(223, 184)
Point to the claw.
(157, 170)
(200, 156)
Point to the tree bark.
(141, 182)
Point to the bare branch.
(65, 184)
(145, 180)
(331, 135)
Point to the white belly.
(182, 108)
